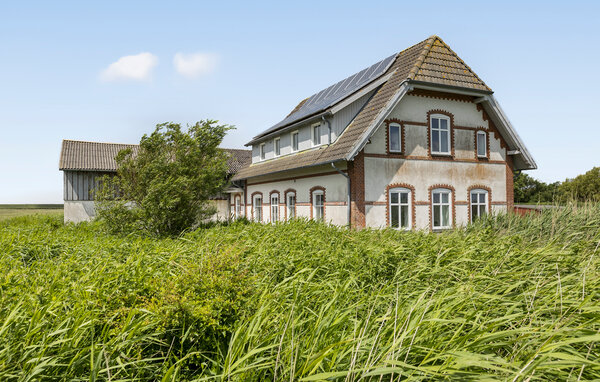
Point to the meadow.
(509, 298)
(8, 211)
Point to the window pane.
(481, 146)
(394, 197)
(295, 141)
(395, 138)
(404, 197)
(404, 217)
(436, 216)
(394, 216)
(444, 142)
(474, 213)
(317, 135)
(445, 197)
(436, 197)
(435, 141)
(446, 216)
(482, 211)
(444, 124)
(435, 123)
(482, 197)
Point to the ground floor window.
(399, 208)
(479, 203)
(318, 198)
(440, 206)
(291, 205)
(274, 208)
(257, 208)
(237, 209)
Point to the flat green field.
(8, 211)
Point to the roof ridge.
(461, 60)
(419, 61)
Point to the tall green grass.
(509, 298)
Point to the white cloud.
(195, 64)
(137, 67)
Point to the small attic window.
(277, 146)
(481, 144)
(262, 151)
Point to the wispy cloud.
(196, 64)
(136, 67)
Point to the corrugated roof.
(99, 156)
(430, 60)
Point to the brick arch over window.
(413, 208)
(453, 192)
(312, 191)
(274, 192)
(285, 195)
(255, 193)
(451, 137)
(479, 187)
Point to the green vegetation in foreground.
(8, 211)
(507, 299)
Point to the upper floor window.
(257, 208)
(440, 208)
(318, 199)
(295, 141)
(263, 153)
(291, 205)
(481, 144)
(274, 208)
(277, 146)
(316, 134)
(479, 204)
(395, 138)
(440, 134)
(400, 208)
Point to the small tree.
(585, 187)
(164, 187)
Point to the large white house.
(416, 140)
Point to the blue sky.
(249, 63)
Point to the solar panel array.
(335, 93)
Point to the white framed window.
(395, 136)
(295, 141)
(316, 134)
(274, 208)
(481, 143)
(318, 201)
(400, 207)
(277, 146)
(257, 208)
(291, 205)
(237, 208)
(479, 204)
(441, 208)
(262, 150)
(440, 134)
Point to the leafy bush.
(164, 187)
(508, 298)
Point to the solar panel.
(335, 93)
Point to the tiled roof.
(430, 61)
(98, 156)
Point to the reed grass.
(509, 298)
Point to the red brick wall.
(356, 170)
(510, 188)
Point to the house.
(417, 140)
(85, 163)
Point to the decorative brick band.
(441, 95)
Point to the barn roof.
(100, 156)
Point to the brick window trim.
(453, 193)
(451, 117)
(400, 123)
(255, 193)
(412, 202)
(479, 187)
(487, 143)
(285, 195)
(273, 192)
(312, 206)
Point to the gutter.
(348, 198)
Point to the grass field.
(510, 298)
(8, 211)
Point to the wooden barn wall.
(80, 185)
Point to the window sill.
(449, 155)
